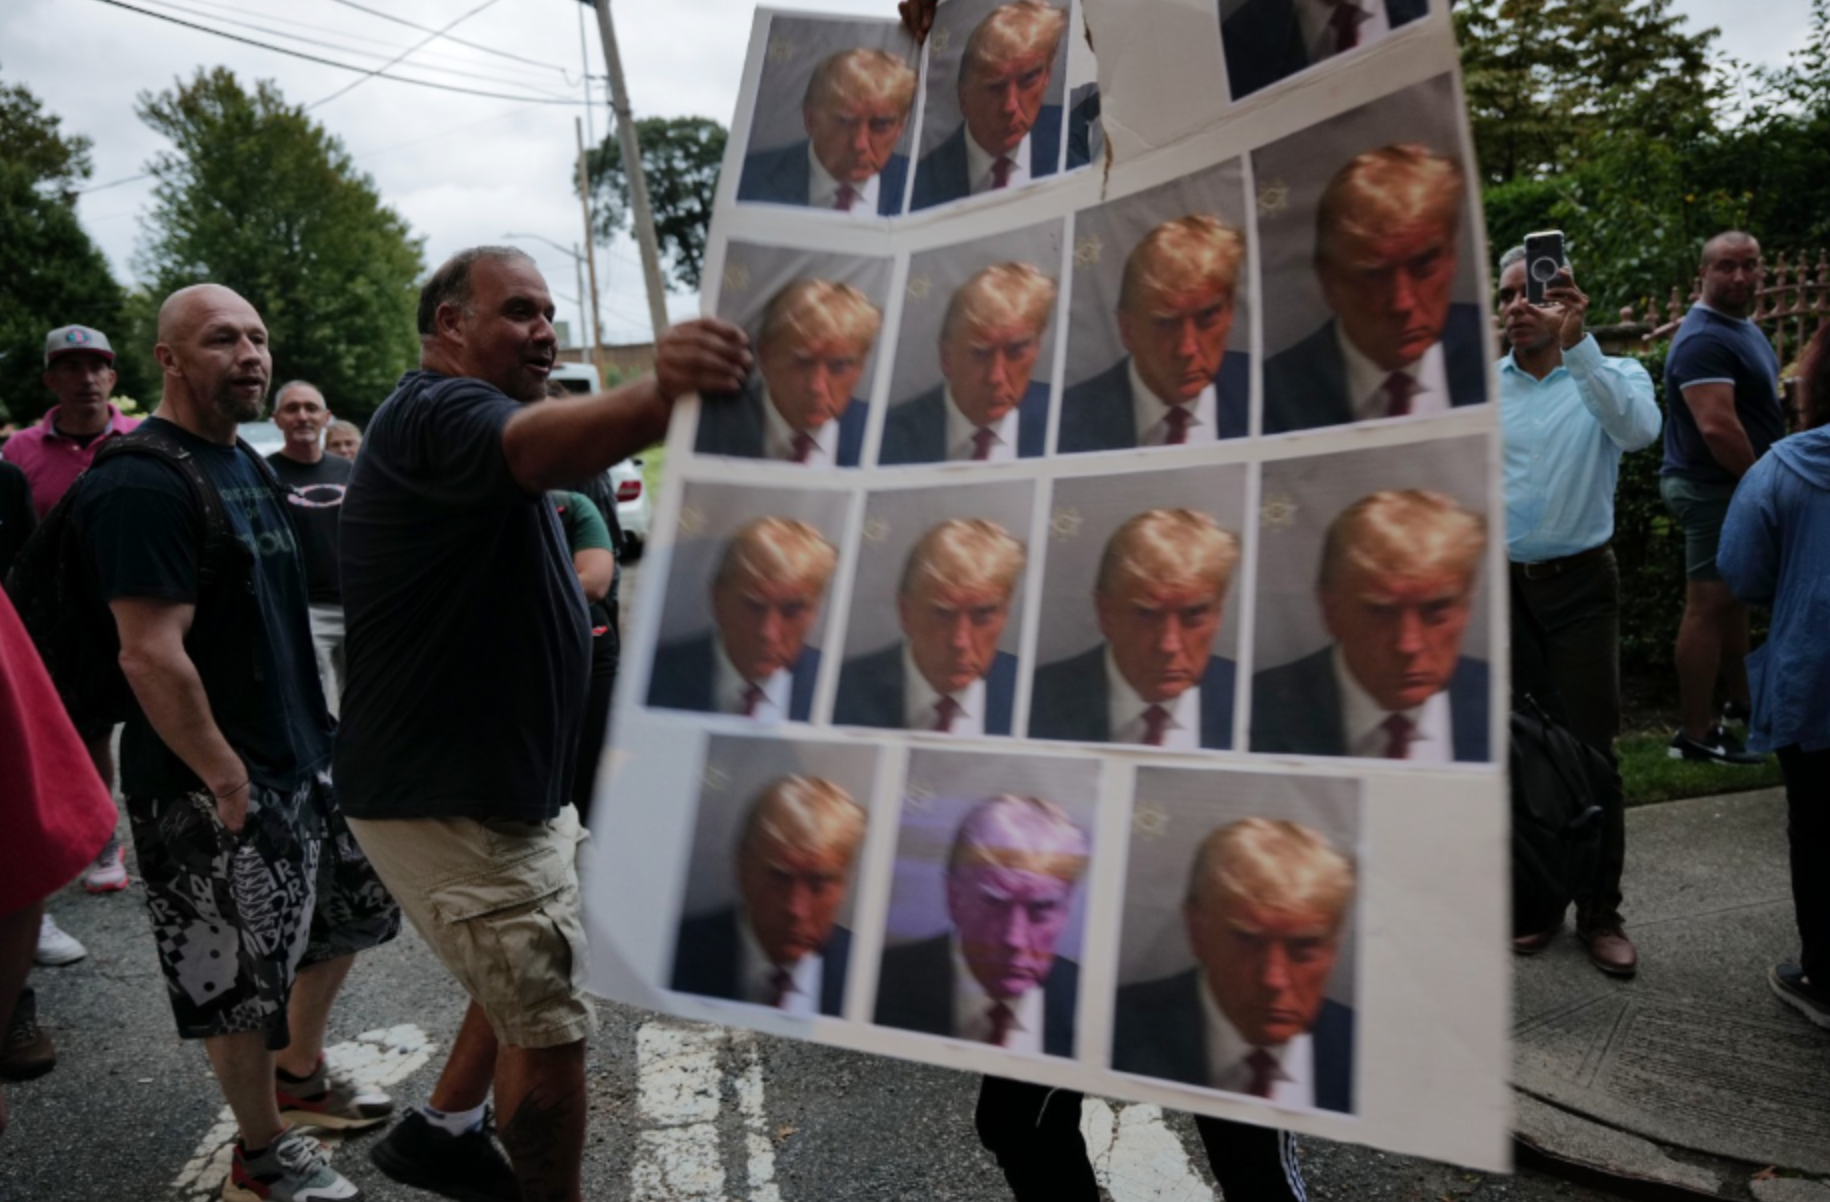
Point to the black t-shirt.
(17, 517)
(251, 642)
(468, 645)
(315, 492)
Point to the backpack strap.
(217, 538)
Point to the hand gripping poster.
(1075, 654)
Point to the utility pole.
(578, 272)
(584, 200)
(643, 216)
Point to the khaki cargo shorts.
(498, 901)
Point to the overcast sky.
(468, 169)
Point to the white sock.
(457, 1122)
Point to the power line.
(354, 84)
(313, 58)
(311, 41)
(375, 12)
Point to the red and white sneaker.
(108, 874)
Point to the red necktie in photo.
(1002, 1020)
(1399, 733)
(848, 196)
(1179, 419)
(945, 711)
(803, 446)
(1000, 171)
(1345, 21)
(781, 984)
(982, 438)
(1264, 1068)
(752, 697)
(1399, 388)
(1156, 721)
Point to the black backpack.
(1557, 784)
(55, 595)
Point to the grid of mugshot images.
(842, 123)
(1239, 896)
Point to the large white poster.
(1075, 654)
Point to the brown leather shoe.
(1531, 945)
(1610, 950)
(28, 1051)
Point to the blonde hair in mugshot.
(1014, 31)
(805, 813)
(780, 550)
(1382, 192)
(1002, 294)
(810, 311)
(1168, 546)
(972, 552)
(861, 76)
(1027, 834)
(1403, 533)
(1271, 864)
(1186, 254)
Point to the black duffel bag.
(1558, 783)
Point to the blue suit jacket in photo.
(916, 431)
(780, 176)
(1305, 386)
(943, 175)
(1159, 1030)
(735, 426)
(708, 953)
(915, 993)
(1296, 708)
(1097, 414)
(871, 687)
(1071, 697)
(684, 671)
(1264, 41)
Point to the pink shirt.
(52, 460)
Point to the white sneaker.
(56, 948)
(109, 872)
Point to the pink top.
(52, 460)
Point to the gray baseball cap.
(67, 340)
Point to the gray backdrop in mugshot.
(1086, 511)
(796, 46)
(943, 786)
(1173, 809)
(934, 276)
(953, 26)
(1104, 238)
(894, 519)
(709, 515)
(1299, 497)
(1291, 174)
(737, 770)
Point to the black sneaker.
(1788, 982)
(468, 1167)
(1721, 748)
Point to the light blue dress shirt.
(1564, 436)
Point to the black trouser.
(594, 731)
(1807, 775)
(1566, 653)
(1034, 1131)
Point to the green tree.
(260, 198)
(680, 161)
(51, 273)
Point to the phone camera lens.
(1545, 269)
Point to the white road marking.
(375, 1059)
(679, 1091)
(758, 1148)
(1136, 1158)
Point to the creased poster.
(1075, 654)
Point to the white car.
(634, 507)
(264, 437)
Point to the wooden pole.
(584, 200)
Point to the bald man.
(780, 944)
(1177, 383)
(854, 111)
(988, 406)
(1008, 134)
(216, 646)
(1396, 591)
(1387, 237)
